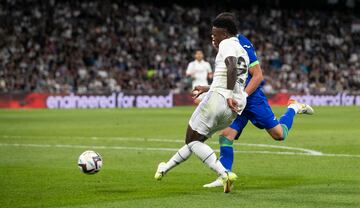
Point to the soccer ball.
(90, 162)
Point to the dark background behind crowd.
(104, 46)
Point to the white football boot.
(160, 172)
(225, 182)
(228, 181)
(302, 107)
(217, 183)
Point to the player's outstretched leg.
(180, 156)
(226, 140)
(294, 107)
(279, 132)
(208, 156)
(226, 152)
(226, 158)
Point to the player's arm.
(197, 91)
(254, 70)
(256, 79)
(201, 89)
(230, 63)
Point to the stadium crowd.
(102, 46)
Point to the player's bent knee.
(192, 135)
(277, 133)
(201, 138)
(281, 135)
(278, 138)
(229, 133)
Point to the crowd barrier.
(153, 100)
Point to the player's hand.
(233, 105)
(198, 90)
(191, 75)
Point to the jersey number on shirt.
(241, 69)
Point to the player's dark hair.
(227, 24)
(228, 15)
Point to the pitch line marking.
(161, 149)
(307, 151)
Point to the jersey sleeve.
(252, 56)
(189, 69)
(250, 50)
(226, 49)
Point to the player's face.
(199, 55)
(217, 35)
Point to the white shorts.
(211, 115)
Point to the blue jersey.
(248, 46)
(257, 109)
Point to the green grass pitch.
(39, 151)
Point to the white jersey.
(230, 47)
(213, 112)
(199, 70)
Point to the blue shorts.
(259, 113)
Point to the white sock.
(208, 156)
(180, 156)
(294, 106)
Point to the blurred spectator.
(199, 70)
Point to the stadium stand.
(104, 46)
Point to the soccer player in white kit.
(199, 70)
(225, 98)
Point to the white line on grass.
(160, 149)
(313, 152)
(139, 139)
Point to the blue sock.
(286, 121)
(287, 118)
(226, 152)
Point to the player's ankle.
(225, 141)
(294, 106)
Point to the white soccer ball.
(90, 162)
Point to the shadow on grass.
(278, 182)
(270, 182)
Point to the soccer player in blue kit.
(257, 110)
